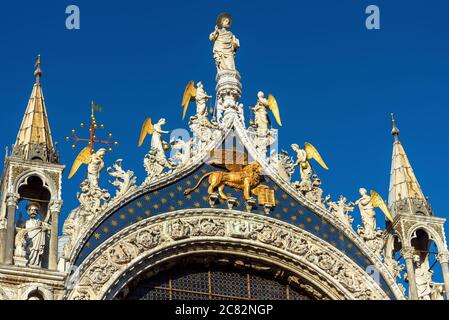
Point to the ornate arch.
(431, 232)
(158, 239)
(46, 180)
(28, 289)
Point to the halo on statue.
(222, 16)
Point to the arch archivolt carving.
(200, 230)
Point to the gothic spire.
(34, 141)
(405, 194)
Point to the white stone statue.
(341, 209)
(369, 232)
(367, 213)
(95, 167)
(92, 199)
(35, 235)
(155, 160)
(260, 112)
(315, 193)
(225, 44)
(302, 161)
(156, 138)
(423, 278)
(201, 100)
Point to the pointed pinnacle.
(394, 130)
(37, 69)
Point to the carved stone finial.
(37, 69)
(394, 130)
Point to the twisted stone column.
(12, 201)
(443, 258)
(407, 253)
(54, 211)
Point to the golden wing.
(147, 128)
(82, 158)
(313, 153)
(378, 202)
(231, 160)
(189, 94)
(273, 106)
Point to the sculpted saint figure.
(155, 161)
(156, 138)
(201, 99)
(95, 167)
(423, 279)
(260, 112)
(302, 161)
(367, 213)
(36, 233)
(225, 43)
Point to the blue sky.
(335, 81)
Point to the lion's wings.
(231, 160)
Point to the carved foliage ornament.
(138, 244)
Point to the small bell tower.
(414, 227)
(31, 179)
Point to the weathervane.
(91, 141)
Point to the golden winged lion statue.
(241, 175)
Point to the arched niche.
(35, 291)
(35, 295)
(34, 189)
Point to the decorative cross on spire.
(92, 140)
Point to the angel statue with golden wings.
(155, 161)
(303, 156)
(369, 231)
(260, 111)
(92, 198)
(198, 95)
(225, 43)
(94, 162)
